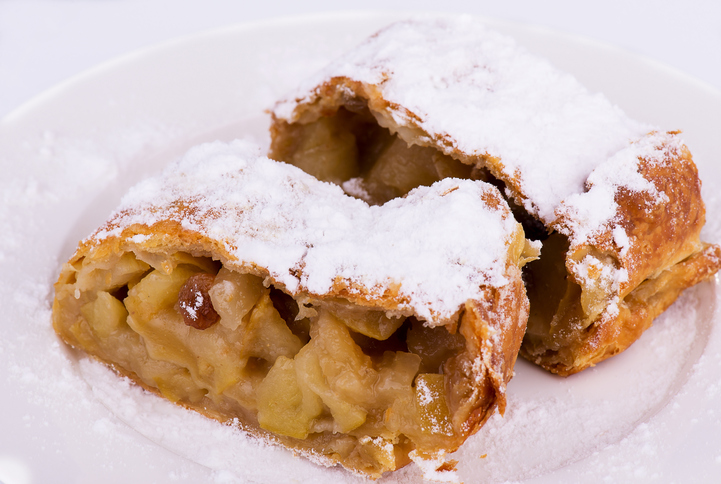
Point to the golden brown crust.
(611, 335)
(663, 257)
(660, 234)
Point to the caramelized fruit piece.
(431, 404)
(283, 407)
(194, 303)
(433, 345)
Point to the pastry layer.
(427, 99)
(251, 292)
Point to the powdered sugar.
(192, 309)
(440, 243)
(577, 417)
(587, 213)
(480, 92)
(620, 238)
(432, 468)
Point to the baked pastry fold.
(251, 292)
(616, 202)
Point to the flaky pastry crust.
(599, 283)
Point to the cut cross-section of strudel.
(246, 289)
(617, 203)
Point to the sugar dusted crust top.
(473, 91)
(425, 254)
(574, 160)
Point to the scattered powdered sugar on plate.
(581, 415)
(439, 244)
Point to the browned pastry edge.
(665, 257)
(610, 336)
(660, 234)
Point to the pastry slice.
(616, 203)
(251, 292)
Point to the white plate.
(648, 414)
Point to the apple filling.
(350, 149)
(360, 386)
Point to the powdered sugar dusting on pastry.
(585, 214)
(440, 244)
(477, 91)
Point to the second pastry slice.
(617, 203)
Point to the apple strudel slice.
(246, 289)
(617, 203)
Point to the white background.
(45, 42)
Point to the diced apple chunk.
(327, 151)
(213, 362)
(234, 295)
(395, 377)
(104, 315)
(266, 335)
(402, 168)
(431, 405)
(348, 370)
(157, 291)
(111, 274)
(283, 407)
(447, 167)
(336, 369)
(374, 324)
(347, 416)
(126, 270)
